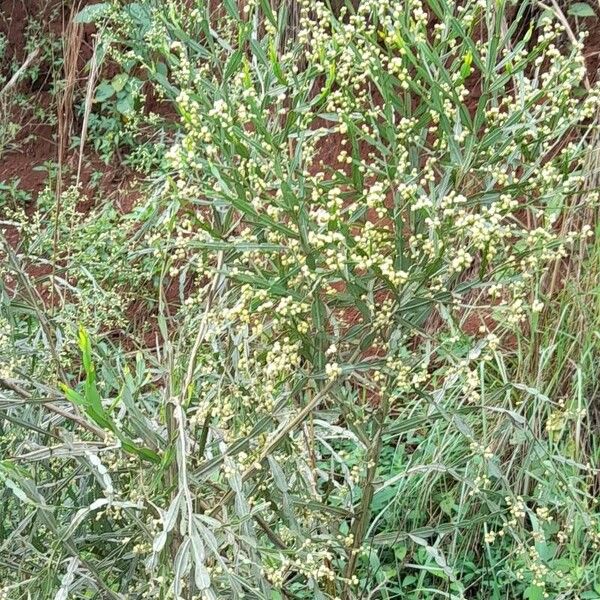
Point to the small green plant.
(120, 124)
(11, 195)
(122, 90)
(40, 65)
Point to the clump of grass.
(361, 380)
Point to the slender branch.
(66, 414)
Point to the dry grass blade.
(20, 71)
(87, 107)
(73, 36)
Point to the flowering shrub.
(362, 223)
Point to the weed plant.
(344, 345)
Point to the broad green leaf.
(533, 592)
(119, 81)
(581, 9)
(91, 13)
(104, 92)
(125, 105)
